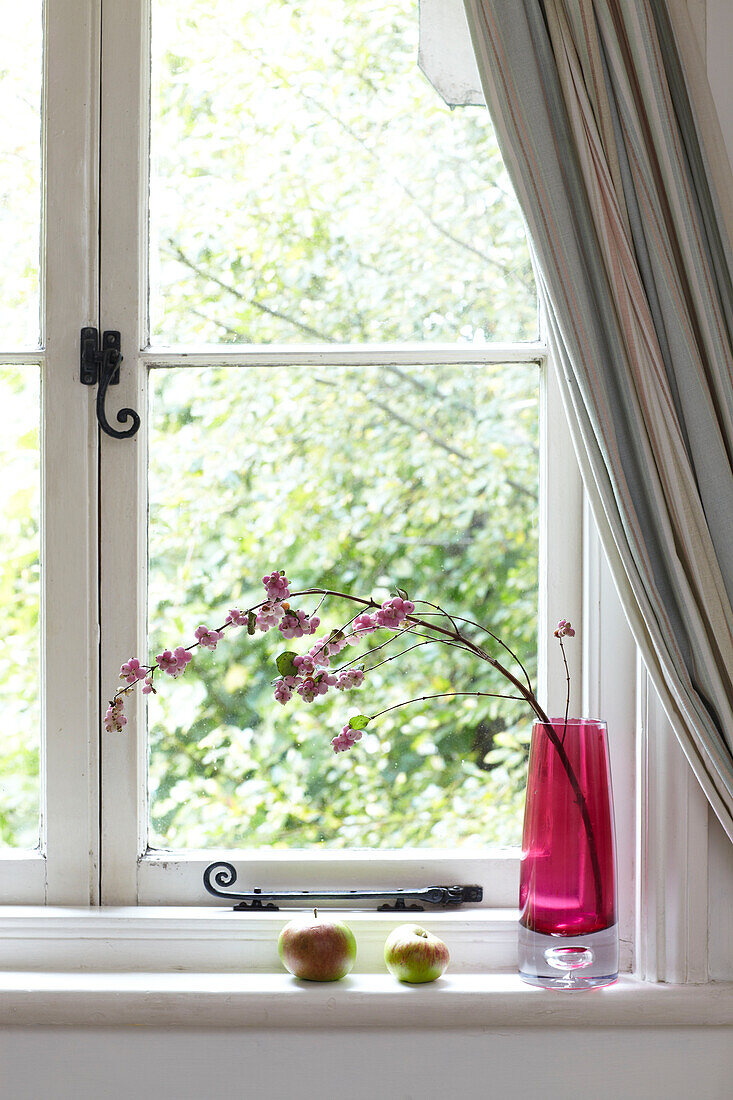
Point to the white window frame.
(63, 870)
(663, 903)
(130, 874)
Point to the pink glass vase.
(568, 933)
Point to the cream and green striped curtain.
(607, 129)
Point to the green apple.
(316, 948)
(413, 954)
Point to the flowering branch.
(310, 674)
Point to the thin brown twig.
(442, 695)
(567, 693)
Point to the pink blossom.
(114, 718)
(132, 671)
(284, 690)
(176, 662)
(328, 647)
(345, 740)
(393, 612)
(318, 654)
(313, 686)
(564, 629)
(148, 686)
(267, 616)
(167, 662)
(313, 623)
(349, 678)
(182, 656)
(276, 585)
(363, 624)
(305, 664)
(294, 624)
(208, 638)
(236, 617)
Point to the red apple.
(317, 948)
(413, 954)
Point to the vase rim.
(571, 721)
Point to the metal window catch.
(440, 897)
(102, 369)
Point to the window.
(272, 273)
(60, 842)
(239, 261)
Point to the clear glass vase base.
(569, 962)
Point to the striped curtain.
(607, 129)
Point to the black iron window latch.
(101, 368)
(439, 897)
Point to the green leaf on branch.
(359, 722)
(285, 664)
(251, 622)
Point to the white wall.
(647, 1064)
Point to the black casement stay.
(437, 897)
(101, 368)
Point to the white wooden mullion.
(69, 461)
(22, 358)
(609, 679)
(560, 543)
(672, 852)
(278, 355)
(125, 67)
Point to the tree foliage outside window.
(357, 479)
(308, 186)
(20, 604)
(20, 221)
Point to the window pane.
(20, 604)
(20, 173)
(307, 183)
(357, 479)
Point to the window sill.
(210, 967)
(269, 1001)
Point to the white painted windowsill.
(375, 1001)
(209, 967)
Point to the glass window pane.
(308, 184)
(20, 173)
(357, 479)
(20, 605)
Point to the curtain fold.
(602, 115)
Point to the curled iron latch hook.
(109, 367)
(103, 368)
